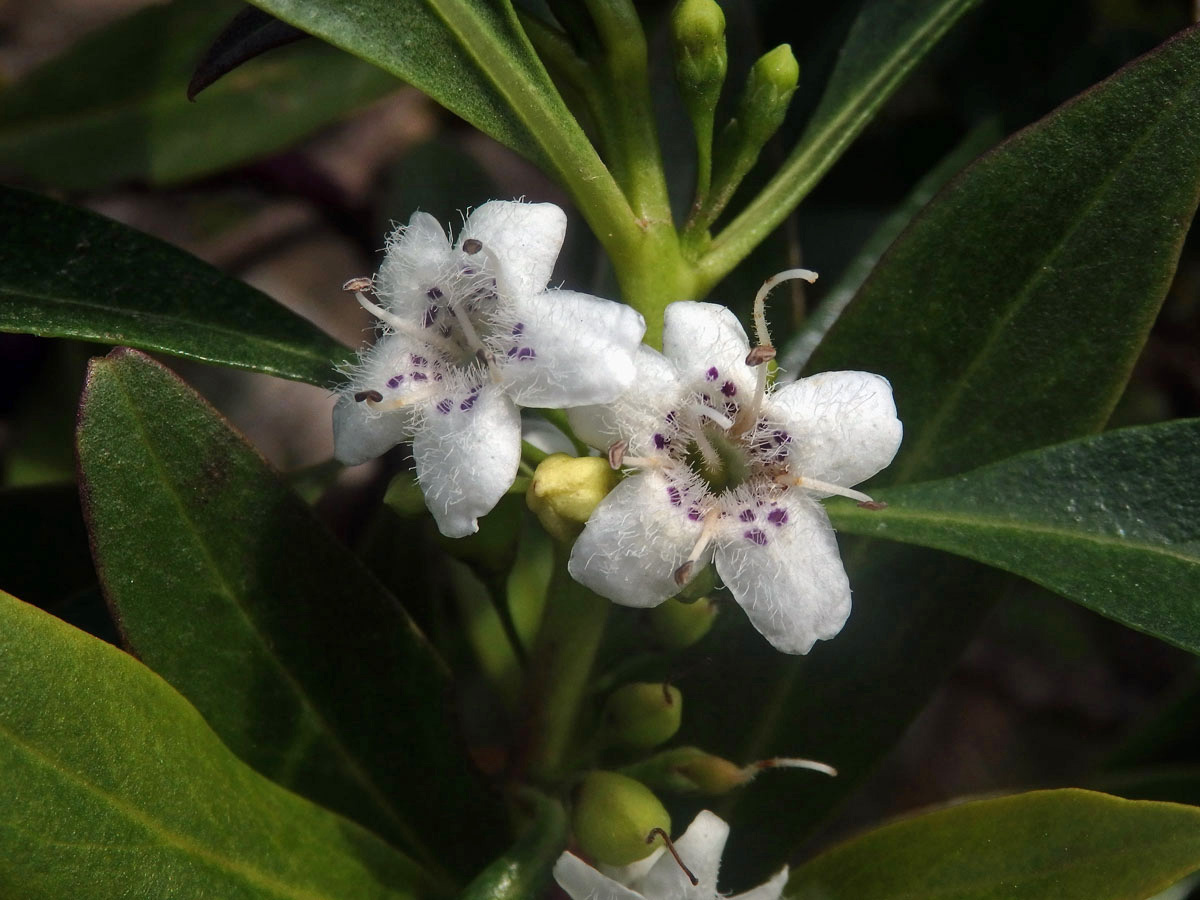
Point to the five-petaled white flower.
(471, 334)
(729, 471)
(699, 850)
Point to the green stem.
(557, 678)
(654, 272)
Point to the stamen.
(616, 454)
(824, 487)
(787, 762)
(471, 246)
(658, 832)
(378, 404)
(405, 327)
(763, 353)
(760, 300)
(873, 505)
(473, 341)
(372, 395)
(711, 414)
(684, 573)
(361, 283)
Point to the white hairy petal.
(565, 348)
(770, 889)
(635, 540)
(708, 346)
(467, 452)
(655, 390)
(844, 425)
(582, 882)
(523, 237)
(360, 435)
(418, 255)
(786, 573)
(700, 848)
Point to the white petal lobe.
(524, 237)
(703, 338)
(582, 882)
(700, 848)
(467, 452)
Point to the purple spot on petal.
(443, 406)
(419, 360)
(777, 516)
(431, 314)
(712, 374)
(418, 376)
(671, 417)
(757, 535)
(659, 441)
(674, 495)
(434, 293)
(746, 515)
(694, 514)
(518, 329)
(729, 389)
(469, 402)
(526, 353)
(394, 381)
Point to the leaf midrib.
(341, 750)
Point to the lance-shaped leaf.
(1045, 845)
(114, 786)
(1007, 317)
(65, 272)
(114, 107)
(1111, 521)
(224, 582)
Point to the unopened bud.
(689, 770)
(643, 715)
(565, 490)
(678, 625)
(613, 815)
(698, 39)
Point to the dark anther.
(373, 396)
(434, 293)
(658, 832)
(360, 283)
(684, 573)
(616, 454)
(471, 246)
(873, 505)
(759, 355)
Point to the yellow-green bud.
(698, 36)
(643, 715)
(689, 770)
(566, 489)
(769, 88)
(612, 817)
(678, 625)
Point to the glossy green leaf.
(66, 272)
(114, 787)
(1111, 521)
(1045, 845)
(226, 584)
(473, 58)
(887, 40)
(1007, 317)
(524, 870)
(249, 34)
(115, 108)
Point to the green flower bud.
(689, 770)
(566, 489)
(698, 38)
(613, 816)
(769, 89)
(677, 624)
(643, 715)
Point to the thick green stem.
(652, 273)
(557, 681)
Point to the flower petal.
(360, 435)
(700, 849)
(843, 425)
(418, 257)
(563, 348)
(771, 889)
(637, 413)
(784, 569)
(636, 539)
(524, 237)
(467, 449)
(707, 345)
(582, 882)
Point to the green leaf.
(115, 787)
(1111, 522)
(114, 107)
(524, 870)
(227, 585)
(1045, 845)
(1007, 317)
(65, 272)
(472, 57)
(887, 40)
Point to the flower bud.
(612, 817)
(566, 489)
(689, 770)
(643, 715)
(698, 38)
(677, 624)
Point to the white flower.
(731, 471)
(472, 334)
(699, 850)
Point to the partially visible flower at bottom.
(729, 471)
(699, 849)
